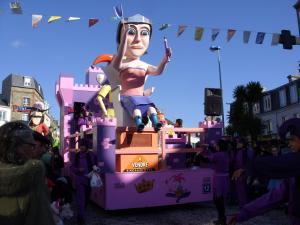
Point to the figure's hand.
(236, 175)
(232, 220)
(168, 52)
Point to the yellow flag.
(198, 33)
(53, 18)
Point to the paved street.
(191, 214)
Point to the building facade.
(19, 92)
(5, 112)
(279, 105)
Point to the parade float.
(139, 166)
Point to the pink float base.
(159, 188)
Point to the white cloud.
(17, 44)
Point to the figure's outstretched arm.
(157, 70)
(117, 61)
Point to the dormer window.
(27, 81)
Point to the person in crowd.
(36, 119)
(275, 151)
(220, 164)
(133, 37)
(23, 192)
(240, 161)
(284, 166)
(85, 161)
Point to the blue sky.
(69, 48)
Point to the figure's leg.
(154, 119)
(137, 115)
(105, 89)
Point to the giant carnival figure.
(133, 36)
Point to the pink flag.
(230, 33)
(93, 21)
(181, 29)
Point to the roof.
(16, 80)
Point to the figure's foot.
(140, 127)
(158, 126)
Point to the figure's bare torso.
(132, 75)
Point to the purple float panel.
(176, 160)
(148, 189)
(104, 140)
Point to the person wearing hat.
(285, 166)
(36, 119)
(23, 192)
(133, 37)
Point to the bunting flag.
(93, 21)
(72, 18)
(118, 11)
(246, 36)
(260, 38)
(53, 18)
(181, 29)
(230, 33)
(198, 33)
(164, 26)
(275, 39)
(214, 33)
(35, 20)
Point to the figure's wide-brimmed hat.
(290, 127)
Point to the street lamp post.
(217, 49)
(297, 7)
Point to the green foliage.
(242, 122)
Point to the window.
(26, 101)
(269, 127)
(283, 119)
(256, 108)
(27, 81)
(267, 102)
(282, 98)
(293, 93)
(2, 115)
(25, 117)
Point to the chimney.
(292, 78)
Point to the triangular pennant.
(72, 18)
(246, 36)
(93, 21)
(164, 26)
(118, 11)
(260, 37)
(53, 18)
(230, 33)
(275, 39)
(214, 33)
(181, 29)
(35, 20)
(198, 33)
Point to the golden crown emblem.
(144, 186)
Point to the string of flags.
(284, 38)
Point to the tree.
(241, 118)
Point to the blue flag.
(260, 37)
